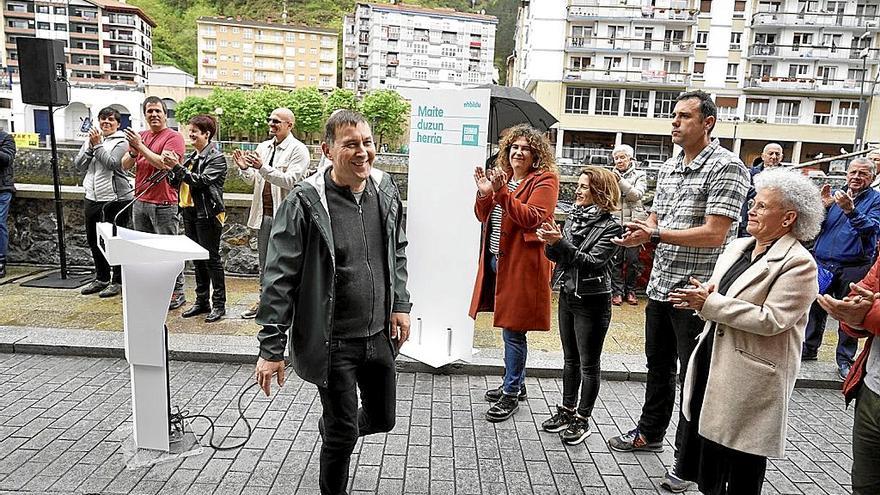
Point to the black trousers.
(209, 273)
(839, 288)
(670, 335)
(92, 211)
(583, 323)
(365, 364)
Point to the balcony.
(19, 30)
(667, 47)
(591, 10)
(652, 77)
(797, 85)
(811, 53)
(787, 20)
(122, 20)
(364, 38)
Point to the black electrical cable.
(177, 418)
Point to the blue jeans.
(515, 352)
(5, 201)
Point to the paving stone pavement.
(62, 420)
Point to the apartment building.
(247, 53)
(108, 46)
(106, 41)
(396, 46)
(784, 70)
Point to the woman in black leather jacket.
(582, 252)
(201, 179)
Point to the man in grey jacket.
(335, 280)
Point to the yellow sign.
(26, 139)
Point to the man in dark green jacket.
(335, 281)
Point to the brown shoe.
(632, 299)
(616, 300)
(251, 312)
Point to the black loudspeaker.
(42, 71)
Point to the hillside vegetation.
(174, 39)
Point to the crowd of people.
(747, 266)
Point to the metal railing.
(789, 19)
(620, 75)
(806, 84)
(630, 44)
(633, 12)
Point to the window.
(636, 103)
(847, 113)
(449, 51)
(577, 100)
(421, 48)
(735, 41)
(822, 112)
(759, 71)
(726, 106)
(854, 76)
(640, 63)
(581, 35)
(611, 63)
(788, 111)
(699, 68)
(703, 39)
(42, 9)
(580, 63)
(43, 25)
(664, 102)
(827, 74)
(801, 39)
(60, 27)
(768, 6)
(732, 70)
(60, 11)
(607, 101)
(798, 70)
(757, 109)
(705, 6)
(236, 30)
(420, 74)
(739, 6)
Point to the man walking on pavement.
(846, 246)
(335, 279)
(7, 189)
(273, 169)
(155, 210)
(695, 213)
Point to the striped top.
(495, 220)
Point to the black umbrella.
(510, 106)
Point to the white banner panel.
(448, 136)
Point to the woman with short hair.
(201, 178)
(633, 183)
(107, 191)
(583, 253)
(513, 278)
(741, 375)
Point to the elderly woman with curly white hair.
(742, 373)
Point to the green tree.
(260, 104)
(234, 105)
(307, 105)
(341, 98)
(387, 113)
(191, 106)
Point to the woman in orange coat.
(513, 279)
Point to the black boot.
(215, 314)
(494, 394)
(503, 409)
(196, 309)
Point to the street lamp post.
(219, 112)
(858, 141)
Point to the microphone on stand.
(157, 177)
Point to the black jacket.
(587, 266)
(299, 276)
(205, 179)
(7, 157)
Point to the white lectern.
(150, 264)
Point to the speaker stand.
(62, 278)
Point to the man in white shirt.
(273, 169)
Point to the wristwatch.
(655, 235)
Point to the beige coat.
(757, 351)
(288, 167)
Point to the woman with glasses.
(583, 253)
(742, 373)
(108, 190)
(513, 278)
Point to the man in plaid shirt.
(696, 209)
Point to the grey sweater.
(104, 179)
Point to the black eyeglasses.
(270, 120)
